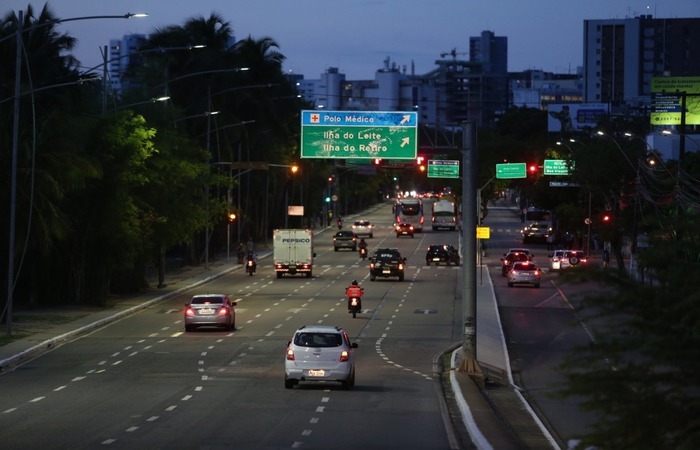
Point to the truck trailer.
(293, 252)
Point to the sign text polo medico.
(359, 134)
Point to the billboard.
(573, 117)
(667, 95)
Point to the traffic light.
(377, 161)
(606, 218)
(532, 169)
(420, 161)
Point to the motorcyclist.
(354, 290)
(363, 248)
(251, 257)
(362, 243)
(340, 222)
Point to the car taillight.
(371, 265)
(537, 272)
(344, 356)
(290, 354)
(189, 311)
(223, 311)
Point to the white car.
(320, 353)
(363, 228)
(563, 259)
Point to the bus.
(410, 210)
(444, 214)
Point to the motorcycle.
(354, 305)
(363, 252)
(250, 267)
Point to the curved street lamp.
(15, 142)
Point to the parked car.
(508, 260)
(563, 259)
(386, 262)
(320, 353)
(404, 229)
(363, 228)
(344, 239)
(524, 272)
(442, 253)
(215, 310)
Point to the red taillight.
(353, 301)
(224, 312)
(189, 312)
(400, 266)
(537, 272)
(371, 265)
(344, 356)
(290, 354)
(250, 262)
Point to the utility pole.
(469, 215)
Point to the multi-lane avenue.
(142, 382)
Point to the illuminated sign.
(667, 94)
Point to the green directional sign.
(359, 134)
(443, 168)
(556, 167)
(511, 170)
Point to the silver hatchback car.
(524, 272)
(215, 310)
(320, 353)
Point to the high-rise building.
(120, 55)
(621, 56)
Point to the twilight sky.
(357, 35)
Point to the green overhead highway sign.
(443, 168)
(556, 167)
(359, 134)
(511, 170)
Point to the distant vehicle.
(404, 229)
(410, 210)
(536, 232)
(524, 272)
(509, 259)
(293, 252)
(320, 353)
(444, 214)
(537, 225)
(210, 310)
(363, 228)
(563, 259)
(442, 253)
(344, 239)
(386, 262)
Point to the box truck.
(293, 252)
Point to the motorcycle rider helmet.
(354, 282)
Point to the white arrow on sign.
(405, 119)
(405, 141)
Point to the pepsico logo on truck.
(295, 240)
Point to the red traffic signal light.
(377, 161)
(606, 218)
(532, 168)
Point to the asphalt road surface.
(142, 382)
